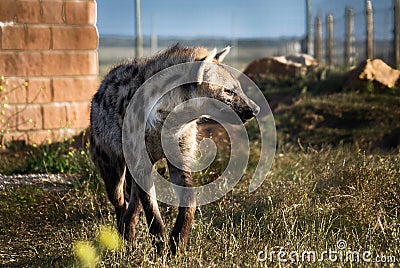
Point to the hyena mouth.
(245, 114)
(248, 113)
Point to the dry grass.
(309, 201)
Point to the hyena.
(108, 109)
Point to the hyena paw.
(159, 243)
(174, 244)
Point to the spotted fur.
(108, 109)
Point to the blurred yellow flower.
(86, 253)
(26, 83)
(109, 238)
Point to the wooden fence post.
(309, 41)
(396, 33)
(138, 26)
(370, 30)
(318, 39)
(329, 40)
(349, 45)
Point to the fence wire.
(383, 25)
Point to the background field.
(113, 50)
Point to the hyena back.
(108, 109)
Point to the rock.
(281, 66)
(304, 59)
(375, 70)
(269, 66)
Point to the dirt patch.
(46, 180)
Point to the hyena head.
(216, 81)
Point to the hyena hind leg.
(179, 237)
(131, 217)
(112, 172)
(153, 217)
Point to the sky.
(226, 18)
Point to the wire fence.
(382, 27)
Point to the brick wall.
(48, 57)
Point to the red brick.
(8, 118)
(28, 11)
(29, 117)
(37, 37)
(80, 12)
(13, 37)
(78, 115)
(21, 63)
(69, 63)
(52, 11)
(25, 37)
(48, 63)
(39, 90)
(15, 91)
(7, 10)
(39, 137)
(65, 37)
(74, 89)
(54, 116)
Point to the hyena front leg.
(179, 237)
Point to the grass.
(329, 181)
(310, 200)
(319, 112)
(356, 118)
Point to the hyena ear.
(203, 64)
(220, 56)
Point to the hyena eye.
(230, 91)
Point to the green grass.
(329, 182)
(316, 112)
(68, 157)
(359, 118)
